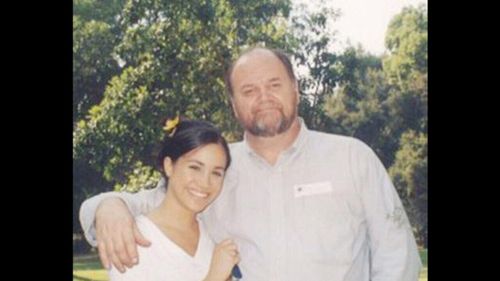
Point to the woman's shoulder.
(145, 225)
(149, 230)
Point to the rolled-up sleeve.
(393, 250)
(138, 203)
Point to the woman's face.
(195, 179)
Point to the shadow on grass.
(87, 263)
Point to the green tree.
(98, 10)
(173, 55)
(383, 101)
(409, 174)
(358, 107)
(406, 69)
(406, 41)
(95, 35)
(317, 66)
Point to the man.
(300, 204)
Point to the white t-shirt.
(164, 260)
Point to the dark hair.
(282, 56)
(189, 135)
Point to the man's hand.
(117, 235)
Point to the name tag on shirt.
(312, 189)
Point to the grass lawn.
(423, 257)
(88, 268)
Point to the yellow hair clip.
(171, 125)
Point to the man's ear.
(233, 106)
(296, 89)
(168, 166)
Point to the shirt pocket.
(325, 225)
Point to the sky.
(364, 21)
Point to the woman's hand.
(224, 258)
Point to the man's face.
(265, 99)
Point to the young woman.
(193, 160)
